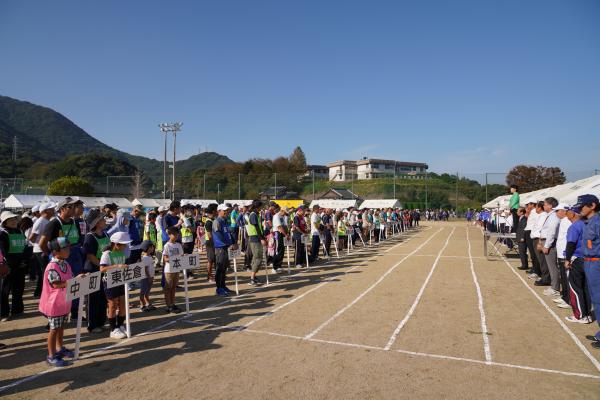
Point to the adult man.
(521, 238)
(327, 220)
(315, 231)
(541, 275)
(222, 240)
(280, 230)
(299, 229)
(256, 239)
(561, 247)
(233, 224)
(209, 242)
(513, 205)
(136, 232)
(41, 261)
(531, 216)
(548, 236)
(590, 206)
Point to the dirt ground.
(424, 315)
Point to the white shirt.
(533, 216)
(541, 218)
(38, 228)
(315, 219)
(278, 221)
(550, 229)
(149, 264)
(171, 250)
(561, 240)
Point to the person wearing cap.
(114, 257)
(256, 240)
(62, 225)
(35, 212)
(579, 295)
(12, 245)
(135, 229)
(222, 241)
(590, 206)
(561, 245)
(146, 284)
(96, 241)
(548, 238)
(40, 261)
(53, 301)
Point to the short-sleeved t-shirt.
(171, 250)
(54, 226)
(208, 225)
(315, 219)
(38, 229)
(149, 264)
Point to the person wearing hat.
(12, 245)
(256, 239)
(40, 261)
(579, 295)
(136, 229)
(222, 240)
(114, 257)
(548, 238)
(590, 206)
(35, 212)
(96, 241)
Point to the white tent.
(498, 202)
(24, 201)
(240, 203)
(202, 202)
(590, 187)
(333, 203)
(151, 203)
(382, 203)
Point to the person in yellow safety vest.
(256, 239)
(210, 244)
(188, 228)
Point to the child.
(113, 258)
(148, 249)
(53, 302)
(171, 249)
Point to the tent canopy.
(151, 203)
(332, 203)
(239, 202)
(18, 201)
(202, 202)
(498, 202)
(382, 203)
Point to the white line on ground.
(484, 330)
(159, 327)
(360, 296)
(402, 351)
(569, 332)
(434, 255)
(419, 295)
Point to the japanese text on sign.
(233, 254)
(82, 285)
(121, 276)
(184, 261)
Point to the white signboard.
(304, 239)
(127, 274)
(184, 261)
(287, 242)
(83, 285)
(233, 254)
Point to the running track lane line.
(327, 280)
(360, 296)
(159, 327)
(484, 329)
(419, 295)
(408, 352)
(556, 317)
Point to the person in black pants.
(522, 222)
(299, 229)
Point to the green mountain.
(45, 137)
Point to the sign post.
(233, 255)
(287, 242)
(78, 288)
(183, 263)
(334, 239)
(304, 240)
(122, 276)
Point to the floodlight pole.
(166, 129)
(426, 190)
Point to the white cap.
(561, 206)
(120, 237)
(222, 207)
(162, 208)
(35, 208)
(6, 215)
(46, 206)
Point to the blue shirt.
(591, 237)
(171, 220)
(575, 235)
(221, 233)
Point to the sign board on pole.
(304, 239)
(233, 254)
(83, 285)
(120, 276)
(287, 242)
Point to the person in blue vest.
(222, 241)
(590, 206)
(136, 232)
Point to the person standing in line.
(561, 246)
(548, 236)
(12, 245)
(542, 278)
(233, 223)
(256, 240)
(520, 238)
(579, 294)
(280, 230)
(299, 229)
(513, 205)
(40, 259)
(315, 231)
(136, 229)
(222, 240)
(327, 220)
(531, 215)
(171, 249)
(209, 242)
(590, 206)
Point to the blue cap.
(576, 210)
(585, 199)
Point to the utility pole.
(313, 183)
(14, 160)
(456, 207)
(204, 187)
(275, 192)
(426, 190)
(239, 186)
(166, 129)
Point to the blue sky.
(465, 86)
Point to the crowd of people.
(52, 243)
(559, 248)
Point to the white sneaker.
(276, 271)
(533, 276)
(117, 334)
(551, 292)
(123, 329)
(584, 320)
(298, 265)
(563, 305)
(558, 300)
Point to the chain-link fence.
(458, 191)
